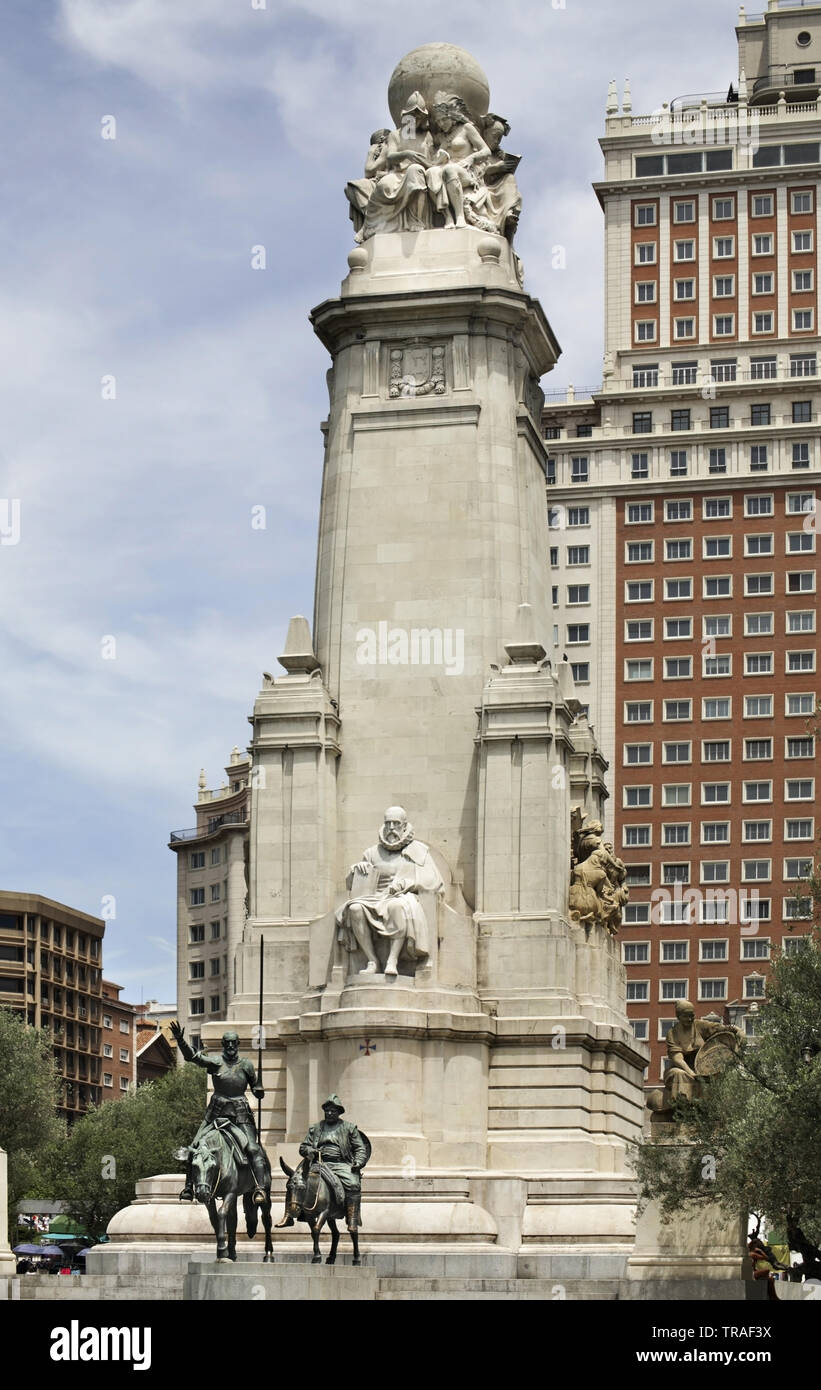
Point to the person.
(389, 878)
(230, 1075)
(338, 1145)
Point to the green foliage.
(759, 1119)
(111, 1147)
(29, 1090)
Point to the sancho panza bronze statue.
(230, 1075)
(336, 1144)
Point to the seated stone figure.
(386, 883)
(398, 201)
(687, 1053)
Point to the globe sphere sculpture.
(438, 67)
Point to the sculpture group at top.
(441, 167)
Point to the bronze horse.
(310, 1197)
(219, 1172)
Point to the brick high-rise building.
(119, 1043)
(211, 892)
(51, 975)
(683, 497)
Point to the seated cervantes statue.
(385, 906)
(597, 888)
(696, 1050)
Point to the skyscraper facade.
(682, 498)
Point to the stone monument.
(476, 1027)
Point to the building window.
(680, 509)
(125, 1027)
(717, 508)
(804, 363)
(715, 793)
(638, 991)
(645, 331)
(638, 712)
(196, 932)
(718, 708)
(678, 668)
(724, 286)
(723, 209)
(677, 589)
(642, 422)
(581, 672)
(763, 283)
(718, 461)
(684, 250)
(639, 630)
(645, 291)
(646, 375)
(680, 420)
(684, 328)
(800, 455)
(715, 751)
(724, 325)
(757, 584)
(684, 289)
(758, 706)
(641, 466)
(685, 373)
(197, 897)
(578, 516)
(215, 892)
(763, 323)
(197, 1006)
(578, 555)
(197, 859)
(644, 215)
(676, 753)
(646, 253)
(677, 710)
(801, 241)
(712, 989)
(713, 950)
(758, 544)
(108, 1021)
(639, 590)
(684, 212)
(724, 248)
(124, 1054)
(802, 320)
(673, 989)
(678, 549)
(678, 463)
(640, 1027)
(108, 1079)
(759, 414)
(579, 470)
(578, 633)
(763, 244)
(758, 458)
(636, 754)
(214, 1003)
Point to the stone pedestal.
(705, 1244)
(8, 1264)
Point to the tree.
(111, 1147)
(29, 1092)
(758, 1121)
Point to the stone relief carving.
(442, 167)
(696, 1049)
(597, 877)
(384, 907)
(417, 369)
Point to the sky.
(157, 385)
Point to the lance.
(259, 1041)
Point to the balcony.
(215, 823)
(800, 83)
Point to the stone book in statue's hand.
(363, 881)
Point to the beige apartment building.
(211, 897)
(682, 497)
(51, 975)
